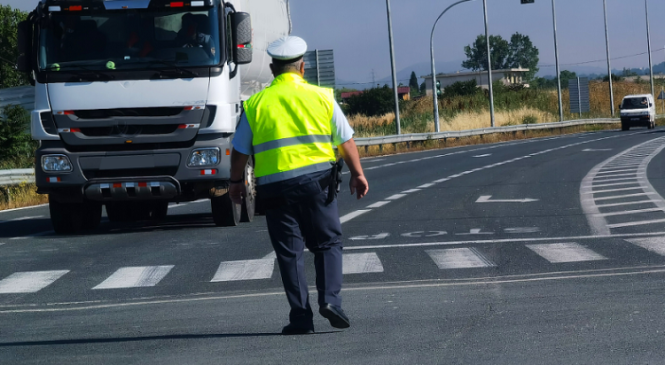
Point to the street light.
(609, 66)
(392, 63)
(646, 6)
(434, 88)
(556, 58)
(489, 64)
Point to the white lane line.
(24, 208)
(32, 235)
(244, 270)
(639, 223)
(612, 190)
(378, 204)
(353, 215)
(622, 204)
(616, 184)
(135, 277)
(425, 186)
(22, 219)
(29, 281)
(176, 205)
(459, 258)
(361, 263)
(522, 230)
(622, 196)
(396, 196)
(565, 252)
(615, 171)
(379, 236)
(442, 180)
(628, 212)
(481, 156)
(410, 191)
(653, 244)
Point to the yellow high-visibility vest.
(291, 126)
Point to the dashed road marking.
(378, 204)
(396, 196)
(459, 258)
(565, 252)
(244, 270)
(653, 244)
(361, 263)
(29, 281)
(353, 215)
(135, 277)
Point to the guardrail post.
(380, 148)
(395, 146)
(366, 148)
(408, 145)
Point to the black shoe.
(335, 315)
(292, 329)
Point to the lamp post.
(609, 65)
(431, 43)
(489, 63)
(556, 58)
(646, 6)
(392, 63)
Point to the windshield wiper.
(93, 75)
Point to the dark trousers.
(307, 222)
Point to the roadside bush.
(461, 88)
(372, 102)
(17, 149)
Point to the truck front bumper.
(155, 174)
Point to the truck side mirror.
(24, 43)
(241, 24)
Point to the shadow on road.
(146, 338)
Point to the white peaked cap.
(287, 48)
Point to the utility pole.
(556, 58)
(609, 65)
(392, 62)
(646, 6)
(489, 63)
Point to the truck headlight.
(56, 163)
(204, 157)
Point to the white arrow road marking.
(597, 149)
(419, 234)
(486, 199)
(485, 155)
(379, 236)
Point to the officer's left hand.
(237, 192)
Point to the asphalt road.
(543, 251)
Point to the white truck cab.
(137, 101)
(638, 110)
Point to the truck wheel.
(225, 213)
(92, 215)
(249, 203)
(66, 218)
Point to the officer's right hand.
(359, 186)
(237, 192)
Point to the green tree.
(476, 54)
(372, 102)
(565, 77)
(522, 53)
(16, 145)
(413, 81)
(9, 76)
(461, 88)
(423, 88)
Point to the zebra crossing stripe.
(653, 244)
(29, 281)
(135, 277)
(459, 258)
(244, 270)
(565, 252)
(361, 263)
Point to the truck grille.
(100, 174)
(128, 112)
(129, 130)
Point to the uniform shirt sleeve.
(342, 130)
(242, 140)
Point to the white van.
(638, 110)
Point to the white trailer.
(136, 102)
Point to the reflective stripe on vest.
(291, 127)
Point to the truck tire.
(92, 215)
(67, 218)
(225, 213)
(249, 203)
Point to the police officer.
(291, 128)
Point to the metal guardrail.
(14, 177)
(419, 137)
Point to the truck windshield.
(130, 40)
(635, 103)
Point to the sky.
(357, 31)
